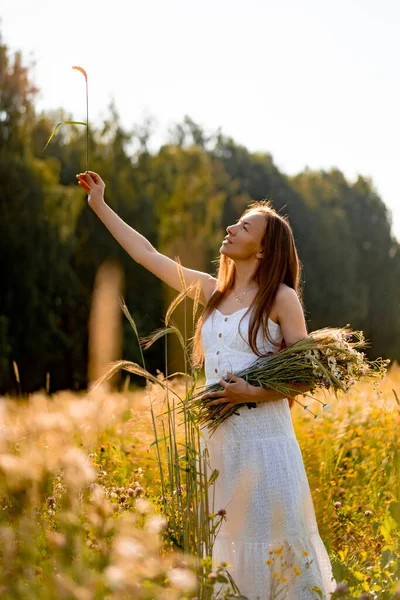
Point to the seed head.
(341, 589)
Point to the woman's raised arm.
(138, 247)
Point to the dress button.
(220, 335)
(226, 318)
(216, 370)
(218, 351)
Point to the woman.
(269, 535)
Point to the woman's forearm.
(260, 394)
(131, 240)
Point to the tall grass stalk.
(56, 128)
(187, 484)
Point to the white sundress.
(262, 483)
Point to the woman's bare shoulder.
(208, 287)
(285, 290)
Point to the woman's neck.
(244, 279)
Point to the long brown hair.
(280, 264)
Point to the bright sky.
(315, 83)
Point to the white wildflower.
(114, 576)
(155, 523)
(78, 470)
(182, 579)
(129, 548)
(9, 464)
(83, 410)
(50, 421)
(143, 505)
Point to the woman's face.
(244, 238)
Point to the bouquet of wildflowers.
(325, 358)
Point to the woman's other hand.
(93, 184)
(235, 392)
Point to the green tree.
(17, 96)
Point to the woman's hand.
(93, 184)
(237, 391)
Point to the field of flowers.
(82, 507)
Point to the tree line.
(181, 197)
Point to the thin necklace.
(240, 297)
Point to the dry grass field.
(81, 499)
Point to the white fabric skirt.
(270, 535)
